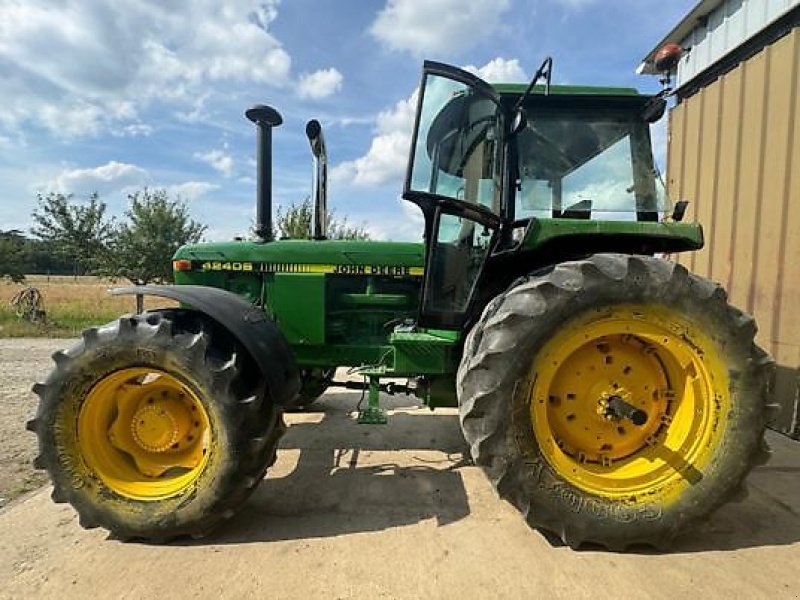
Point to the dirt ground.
(22, 362)
(393, 511)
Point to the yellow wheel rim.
(144, 433)
(590, 377)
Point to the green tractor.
(613, 397)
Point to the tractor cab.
(490, 165)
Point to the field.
(71, 304)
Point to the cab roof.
(567, 90)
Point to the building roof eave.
(697, 15)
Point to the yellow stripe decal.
(258, 267)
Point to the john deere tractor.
(610, 395)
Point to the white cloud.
(386, 158)
(347, 121)
(319, 84)
(79, 119)
(437, 26)
(115, 178)
(399, 221)
(110, 177)
(197, 113)
(383, 161)
(499, 70)
(66, 65)
(191, 190)
(134, 130)
(219, 160)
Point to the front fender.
(245, 322)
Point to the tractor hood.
(305, 256)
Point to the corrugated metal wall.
(734, 153)
(725, 28)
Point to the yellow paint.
(655, 360)
(348, 269)
(144, 433)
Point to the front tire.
(554, 370)
(155, 426)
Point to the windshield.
(587, 164)
(458, 150)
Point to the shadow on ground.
(768, 516)
(352, 478)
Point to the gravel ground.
(22, 362)
(394, 511)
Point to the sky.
(108, 97)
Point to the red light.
(667, 58)
(181, 265)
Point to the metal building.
(734, 153)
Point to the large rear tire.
(155, 426)
(616, 400)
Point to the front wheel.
(155, 426)
(615, 400)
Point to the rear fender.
(251, 327)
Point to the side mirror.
(680, 210)
(654, 109)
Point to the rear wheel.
(615, 400)
(155, 426)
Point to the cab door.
(456, 175)
(456, 252)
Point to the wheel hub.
(617, 407)
(597, 392)
(159, 426)
(145, 432)
(621, 402)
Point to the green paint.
(329, 252)
(422, 353)
(373, 414)
(354, 303)
(301, 322)
(516, 89)
(679, 236)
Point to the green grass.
(71, 305)
(64, 323)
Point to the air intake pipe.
(265, 118)
(319, 228)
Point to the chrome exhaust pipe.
(319, 226)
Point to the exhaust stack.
(265, 118)
(319, 226)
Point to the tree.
(78, 231)
(341, 230)
(295, 223)
(11, 255)
(39, 257)
(142, 246)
